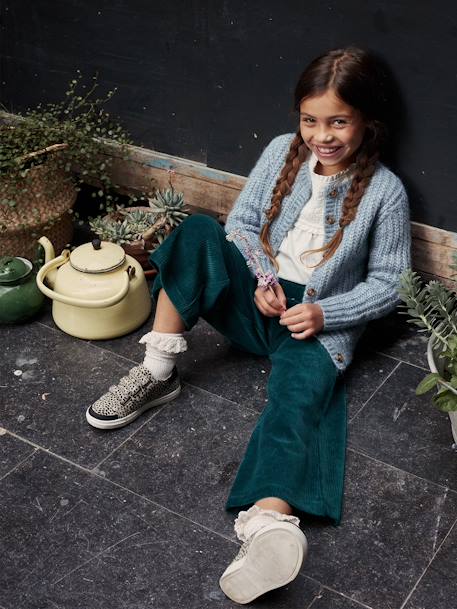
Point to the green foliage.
(170, 205)
(81, 124)
(167, 210)
(433, 307)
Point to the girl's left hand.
(303, 320)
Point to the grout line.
(427, 567)
(94, 557)
(375, 391)
(112, 482)
(163, 507)
(49, 452)
(216, 395)
(136, 363)
(18, 464)
(90, 342)
(363, 454)
(333, 590)
(318, 596)
(154, 413)
(398, 359)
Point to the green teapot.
(20, 297)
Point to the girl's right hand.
(271, 302)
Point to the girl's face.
(331, 129)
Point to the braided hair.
(357, 77)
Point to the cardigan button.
(330, 219)
(311, 292)
(340, 357)
(333, 193)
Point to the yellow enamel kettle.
(98, 291)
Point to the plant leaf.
(427, 383)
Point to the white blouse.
(308, 231)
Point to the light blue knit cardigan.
(359, 282)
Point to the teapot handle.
(80, 302)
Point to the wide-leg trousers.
(297, 449)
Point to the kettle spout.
(49, 254)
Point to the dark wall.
(213, 81)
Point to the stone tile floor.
(135, 519)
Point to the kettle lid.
(97, 257)
(12, 269)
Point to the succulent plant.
(112, 230)
(166, 210)
(169, 204)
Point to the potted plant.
(40, 152)
(140, 230)
(433, 307)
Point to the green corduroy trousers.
(297, 449)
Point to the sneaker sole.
(274, 559)
(116, 423)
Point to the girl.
(324, 228)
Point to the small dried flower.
(265, 279)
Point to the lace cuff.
(255, 510)
(169, 343)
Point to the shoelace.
(244, 549)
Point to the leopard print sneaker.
(134, 394)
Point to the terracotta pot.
(437, 364)
(141, 254)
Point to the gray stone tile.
(144, 573)
(392, 524)
(186, 457)
(74, 540)
(50, 378)
(330, 600)
(393, 335)
(12, 452)
(406, 430)
(438, 587)
(364, 376)
(50, 524)
(213, 364)
(210, 363)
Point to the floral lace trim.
(255, 510)
(169, 343)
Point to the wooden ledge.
(214, 191)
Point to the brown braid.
(298, 153)
(360, 80)
(364, 170)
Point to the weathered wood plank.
(434, 235)
(203, 186)
(216, 191)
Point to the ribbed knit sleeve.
(246, 215)
(389, 256)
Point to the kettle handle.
(80, 302)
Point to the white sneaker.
(270, 558)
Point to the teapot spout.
(49, 254)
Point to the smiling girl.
(327, 226)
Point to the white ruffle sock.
(162, 350)
(255, 518)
